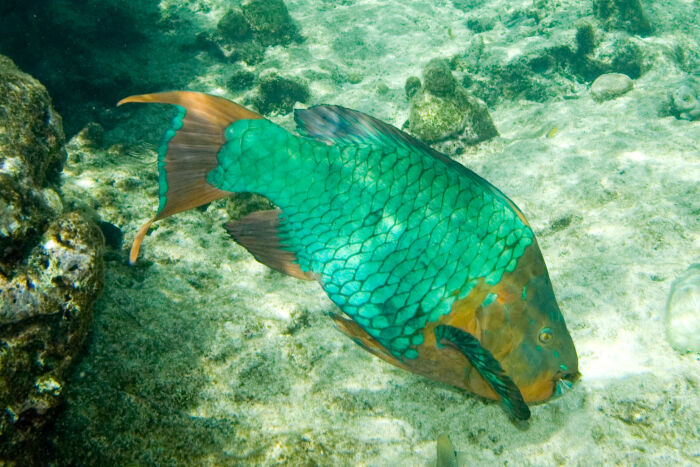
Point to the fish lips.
(549, 386)
(564, 383)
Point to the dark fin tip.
(489, 368)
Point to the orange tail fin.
(189, 151)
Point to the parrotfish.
(432, 268)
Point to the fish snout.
(564, 382)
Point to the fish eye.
(545, 335)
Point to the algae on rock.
(443, 109)
(31, 157)
(623, 14)
(279, 94)
(51, 267)
(271, 21)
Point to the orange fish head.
(525, 330)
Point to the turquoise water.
(200, 355)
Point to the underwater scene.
(350, 232)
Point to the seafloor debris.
(683, 312)
(610, 85)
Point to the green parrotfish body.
(432, 268)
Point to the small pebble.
(683, 312)
(610, 86)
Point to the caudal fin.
(189, 151)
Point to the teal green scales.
(394, 234)
(162, 152)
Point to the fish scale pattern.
(394, 235)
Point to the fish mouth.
(564, 383)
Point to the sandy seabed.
(200, 355)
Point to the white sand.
(199, 346)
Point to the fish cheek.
(514, 341)
(564, 351)
(548, 331)
(531, 370)
(499, 334)
(510, 333)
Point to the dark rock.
(478, 24)
(467, 5)
(626, 15)
(31, 158)
(624, 56)
(22, 95)
(438, 79)
(412, 86)
(618, 55)
(220, 47)
(206, 42)
(233, 27)
(271, 21)
(24, 215)
(467, 81)
(241, 80)
(46, 315)
(92, 135)
(249, 52)
(278, 94)
(585, 39)
(522, 77)
(549, 70)
(51, 268)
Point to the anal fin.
(355, 332)
(258, 232)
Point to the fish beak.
(565, 383)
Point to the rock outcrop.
(51, 266)
(442, 109)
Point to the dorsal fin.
(189, 151)
(334, 124)
(258, 232)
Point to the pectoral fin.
(487, 365)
